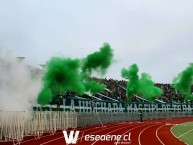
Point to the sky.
(155, 34)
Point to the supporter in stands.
(117, 90)
(140, 116)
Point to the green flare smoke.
(94, 87)
(142, 86)
(98, 61)
(184, 81)
(73, 75)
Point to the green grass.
(184, 132)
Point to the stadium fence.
(15, 125)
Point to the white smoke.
(18, 90)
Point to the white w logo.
(71, 139)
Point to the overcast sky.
(155, 34)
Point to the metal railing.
(14, 125)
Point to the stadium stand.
(15, 125)
(116, 91)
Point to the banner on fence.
(84, 105)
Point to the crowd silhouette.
(116, 91)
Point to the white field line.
(183, 124)
(111, 132)
(51, 135)
(130, 130)
(82, 136)
(40, 137)
(158, 136)
(142, 132)
(174, 134)
(185, 133)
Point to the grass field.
(184, 132)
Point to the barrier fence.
(14, 125)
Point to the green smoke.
(94, 87)
(147, 87)
(98, 61)
(131, 75)
(140, 86)
(73, 75)
(45, 95)
(184, 81)
(61, 75)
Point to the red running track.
(151, 132)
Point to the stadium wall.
(86, 105)
(14, 125)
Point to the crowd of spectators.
(116, 90)
(169, 93)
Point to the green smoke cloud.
(61, 75)
(73, 75)
(94, 87)
(45, 95)
(98, 61)
(140, 86)
(184, 81)
(147, 87)
(131, 75)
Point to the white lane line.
(170, 131)
(174, 134)
(43, 136)
(130, 130)
(39, 138)
(183, 133)
(111, 132)
(158, 136)
(48, 135)
(83, 136)
(113, 126)
(142, 132)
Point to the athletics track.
(150, 132)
